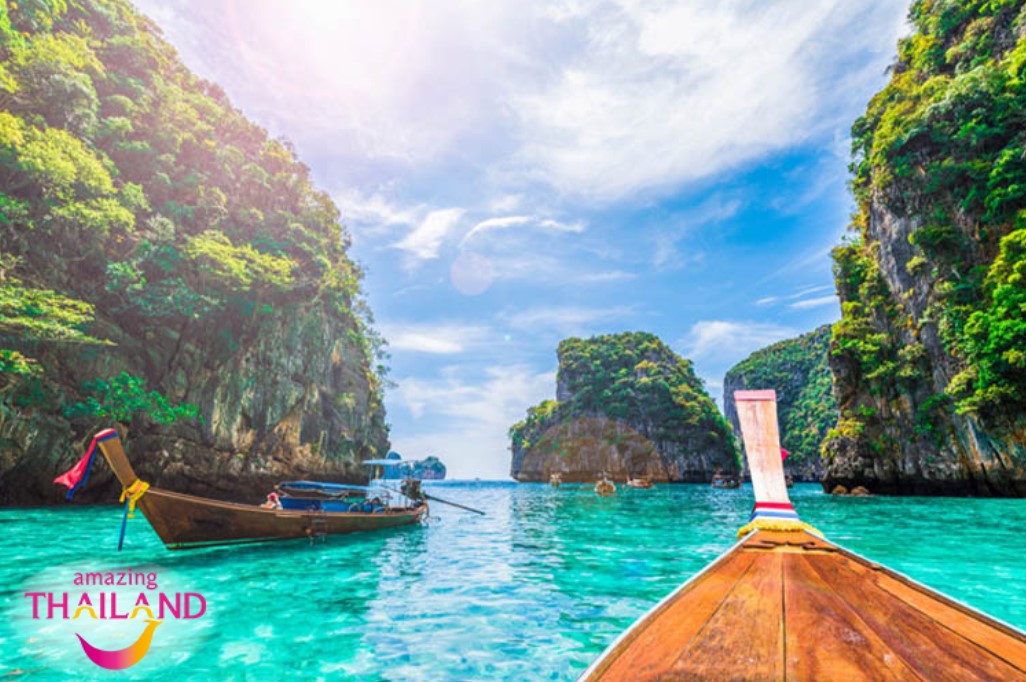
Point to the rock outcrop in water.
(928, 358)
(429, 469)
(167, 267)
(627, 405)
(797, 369)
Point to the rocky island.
(798, 370)
(628, 405)
(428, 469)
(928, 359)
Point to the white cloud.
(507, 222)
(814, 302)
(815, 259)
(601, 99)
(665, 93)
(498, 224)
(810, 290)
(466, 415)
(374, 211)
(567, 320)
(668, 254)
(803, 293)
(575, 227)
(719, 340)
(424, 242)
(605, 276)
(717, 345)
(435, 338)
(506, 203)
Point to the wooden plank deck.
(785, 604)
(792, 606)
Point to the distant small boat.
(723, 482)
(605, 487)
(308, 509)
(556, 480)
(639, 482)
(786, 604)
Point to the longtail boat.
(722, 482)
(604, 487)
(643, 482)
(186, 521)
(786, 604)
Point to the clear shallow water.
(532, 591)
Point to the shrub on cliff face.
(994, 340)
(524, 433)
(942, 143)
(124, 398)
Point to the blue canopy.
(317, 485)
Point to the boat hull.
(793, 606)
(185, 521)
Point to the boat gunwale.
(287, 513)
(632, 632)
(608, 655)
(932, 593)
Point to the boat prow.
(187, 521)
(786, 604)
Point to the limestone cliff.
(797, 369)
(927, 358)
(167, 268)
(429, 469)
(627, 405)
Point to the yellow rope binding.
(780, 525)
(133, 493)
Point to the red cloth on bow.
(75, 477)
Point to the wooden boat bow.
(787, 604)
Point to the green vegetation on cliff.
(798, 370)
(631, 377)
(430, 468)
(942, 145)
(137, 205)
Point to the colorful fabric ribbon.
(78, 475)
(132, 493)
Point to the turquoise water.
(532, 591)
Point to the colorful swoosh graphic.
(122, 658)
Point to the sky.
(514, 173)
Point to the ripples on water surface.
(532, 591)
